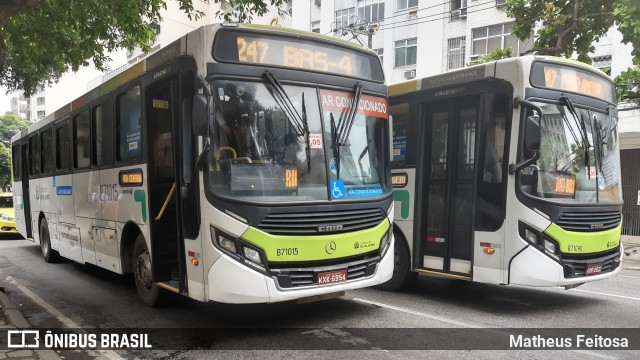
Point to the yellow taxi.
(7, 219)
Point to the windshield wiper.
(345, 124)
(581, 126)
(335, 146)
(298, 121)
(305, 123)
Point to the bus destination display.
(295, 53)
(572, 79)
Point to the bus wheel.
(402, 277)
(49, 255)
(147, 290)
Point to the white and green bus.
(239, 164)
(507, 173)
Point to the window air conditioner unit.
(500, 3)
(410, 74)
(455, 15)
(463, 12)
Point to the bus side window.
(400, 113)
(129, 134)
(17, 162)
(34, 155)
(62, 147)
(81, 141)
(102, 134)
(46, 140)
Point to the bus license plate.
(332, 277)
(593, 269)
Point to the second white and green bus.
(239, 164)
(507, 173)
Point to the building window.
(345, 17)
(380, 53)
(406, 4)
(371, 12)
(315, 27)
(458, 9)
(40, 114)
(456, 52)
(406, 52)
(487, 39)
(40, 100)
(603, 63)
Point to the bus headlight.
(385, 242)
(228, 244)
(252, 255)
(239, 250)
(549, 246)
(7, 218)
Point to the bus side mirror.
(200, 114)
(532, 133)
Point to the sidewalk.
(11, 318)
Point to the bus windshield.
(579, 156)
(270, 146)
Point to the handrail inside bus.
(225, 148)
(166, 202)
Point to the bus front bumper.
(232, 282)
(533, 268)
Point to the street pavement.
(69, 295)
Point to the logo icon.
(597, 226)
(356, 246)
(24, 339)
(328, 228)
(337, 189)
(330, 248)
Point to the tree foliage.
(564, 27)
(42, 39)
(10, 123)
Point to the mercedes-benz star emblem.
(330, 248)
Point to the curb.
(13, 314)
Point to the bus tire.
(402, 277)
(148, 292)
(49, 255)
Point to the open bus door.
(167, 241)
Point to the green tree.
(10, 123)
(42, 39)
(563, 27)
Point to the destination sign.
(297, 53)
(572, 79)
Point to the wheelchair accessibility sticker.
(337, 189)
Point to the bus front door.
(166, 234)
(446, 229)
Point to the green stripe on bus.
(572, 242)
(281, 248)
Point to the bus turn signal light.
(195, 261)
(489, 250)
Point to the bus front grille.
(322, 222)
(308, 276)
(586, 221)
(577, 268)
